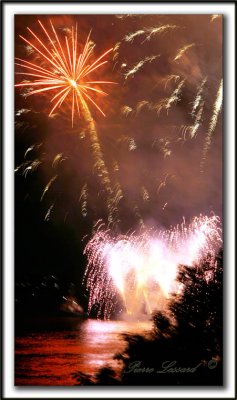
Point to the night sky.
(147, 154)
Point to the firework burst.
(66, 72)
(177, 95)
(141, 269)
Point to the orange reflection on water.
(50, 358)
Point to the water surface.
(51, 356)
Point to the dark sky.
(147, 155)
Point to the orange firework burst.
(67, 71)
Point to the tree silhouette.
(185, 347)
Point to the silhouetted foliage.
(185, 347)
(82, 379)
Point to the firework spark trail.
(58, 159)
(144, 193)
(131, 36)
(126, 110)
(142, 267)
(164, 147)
(196, 113)
(28, 166)
(116, 51)
(214, 16)
(113, 219)
(49, 212)
(128, 141)
(149, 32)
(165, 103)
(199, 97)
(31, 148)
(169, 101)
(143, 104)
(163, 183)
(159, 30)
(47, 187)
(132, 144)
(192, 129)
(101, 168)
(22, 111)
(170, 78)
(182, 51)
(83, 200)
(137, 67)
(213, 122)
(67, 73)
(96, 149)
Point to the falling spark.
(159, 30)
(47, 187)
(126, 110)
(131, 36)
(164, 104)
(149, 32)
(169, 101)
(49, 212)
(170, 78)
(215, 16)
(182, 51)
(129, 141)
(113, 219)
(132, 144)
(142, 268)
(28, 166)
(213, 122)
(163, 183)
(31, 148)
(192, 129)
(198, 97)
(139, 65)
(83, 200)
(125, 16)
(22, 111)
(142, 104)
(145, 194)
(116, 51)
(164, 206)
(58, 159)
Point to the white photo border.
(9, 9)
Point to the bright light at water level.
(140, 269)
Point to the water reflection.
(50, 357)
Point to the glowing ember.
(141, 269)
